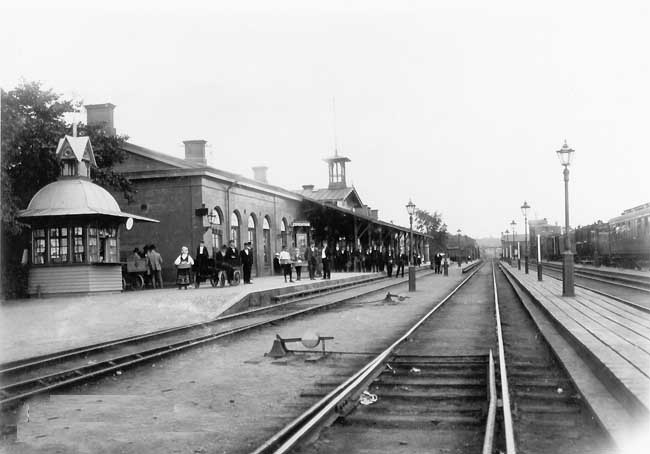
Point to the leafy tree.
(33, 121)
(431, 224)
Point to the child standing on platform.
(183, 264)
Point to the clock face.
(129, 223)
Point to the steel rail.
(505, 393)
(43, 360)
(609, 295)
(490, 424)
(103, 367)
(328, 407)
(609, 278)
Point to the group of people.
(312, 257)
(439, 261)
(225, 259)
(322, 260)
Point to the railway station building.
(197, 202)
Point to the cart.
(217, 275)
(133, 273)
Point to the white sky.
(458, 105)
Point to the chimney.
(374, 214)
(101, 114)
(195, 151)
(259, 174)
(308, 187)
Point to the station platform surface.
(31, 327)
(614, 334)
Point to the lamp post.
(506, 233)
(459, 259)
(212, 220)
(513, 224)
(410, 208)
(565, 154)
(524, 209)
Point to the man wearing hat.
(246, 256)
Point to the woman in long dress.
(183, 264)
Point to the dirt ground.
(226, 397)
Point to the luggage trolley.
(133, 274)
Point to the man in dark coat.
(232, 259)
(326, 255)
(246, 257)
(311, 257)
(201, 263)
(401, 261)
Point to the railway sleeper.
(411, 421)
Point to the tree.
(33, 121)
(431, 224)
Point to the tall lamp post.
(410, 208)
(524, 209)
(513, 224)
(507, 232)
(565, 154)
(460, 257)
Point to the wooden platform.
(615, 336)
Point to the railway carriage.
(629, 237)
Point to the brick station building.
(197, 202)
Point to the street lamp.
(524, 209)
(565, 154)
(459, 256)
(507, 232)
(513, 224)
(410, 208)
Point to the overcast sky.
(457, 105)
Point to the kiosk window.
(78, 250)
(38, 246)
(58, 245)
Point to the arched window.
(234, 228)
(283, 232)
(266, 228)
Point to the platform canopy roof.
(78, 196)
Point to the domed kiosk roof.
(75, 196)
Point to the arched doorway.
(266, 238)
(284, 227)
(235, 234)
(216, 224)
(252, 238)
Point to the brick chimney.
(195, 151)
(308, 187)
(259, 174)
(374, 214)
(101, 114)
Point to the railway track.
(20, 380)
(633, 292)
(437, 388)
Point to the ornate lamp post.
(524, 209)
(506, 233)
(410, 208)
(565, 154)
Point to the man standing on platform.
(155, 262)
(201, 262)
(246, 257)
(232, 259)
(326, 256)
(312, 261)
